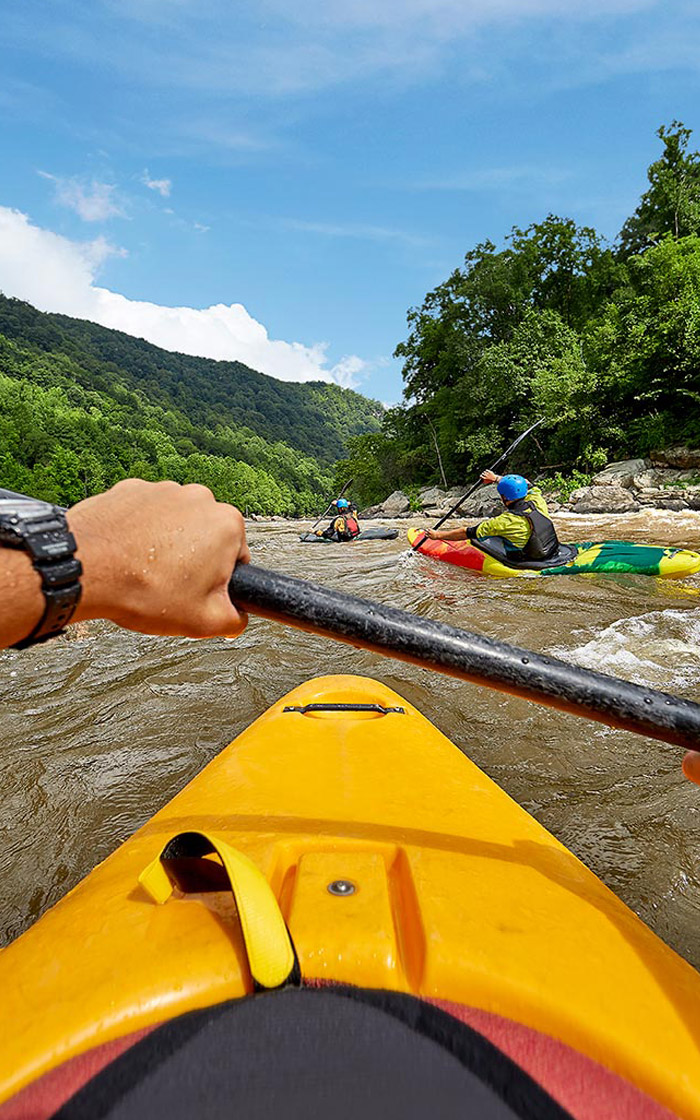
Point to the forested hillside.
(602, 339)
(82, 406)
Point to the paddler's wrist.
(22, 600)
(108, 570)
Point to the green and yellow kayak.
(489, 558)
(343, 839)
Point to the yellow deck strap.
(271, 956)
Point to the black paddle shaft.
(469, 657)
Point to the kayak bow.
(450, 892)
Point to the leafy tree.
(605, 344)
(671, 205)
(553, 265)
(646, 345)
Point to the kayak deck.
(592, 557)
(459, 896)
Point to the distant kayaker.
(526, 528)
(344, 525)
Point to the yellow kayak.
(344, 838)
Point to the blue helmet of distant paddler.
(511, 487)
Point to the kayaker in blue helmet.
(344, 525)
(525, 528)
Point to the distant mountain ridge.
(82, 406)
(317, 417)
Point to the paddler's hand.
(157, 557)
(488, 476)
(691, 766)
(432, 534)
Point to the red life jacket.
(352, 525)
(346, 527)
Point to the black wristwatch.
(41, 529)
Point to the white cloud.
(162, 186)
(440, 17)
(496, 178)
(207, 132)
(281, 49)
(93, 203)
(358, 231)
(56, 274)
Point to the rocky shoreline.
(666, 480)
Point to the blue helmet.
(511, 487)
(343, 503)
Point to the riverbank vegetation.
(82, 407)
(602, 339)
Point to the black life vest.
(543, 541)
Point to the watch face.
(19, 506)
(20, 517)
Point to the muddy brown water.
(101, 729)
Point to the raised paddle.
(469, 657)
(330, 505)
(476, 485)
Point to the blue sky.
(279, 182)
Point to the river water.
(102, 728)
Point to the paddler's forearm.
(157, 558)
(447, 534)
(21, 597)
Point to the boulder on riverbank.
(432, 497)
(620, 474)
(609, 498)
(666, 480)
(397, 504)
(370, 512)
(681, 457)
(642, 484)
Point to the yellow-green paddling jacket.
(513, 527)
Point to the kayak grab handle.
(469, 657)
(271, 955)
(379, 708)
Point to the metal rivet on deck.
(341, 888)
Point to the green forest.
(82, 407)
(602, 339)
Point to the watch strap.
(51, 546)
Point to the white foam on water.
(648, 520)
(661, 648)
